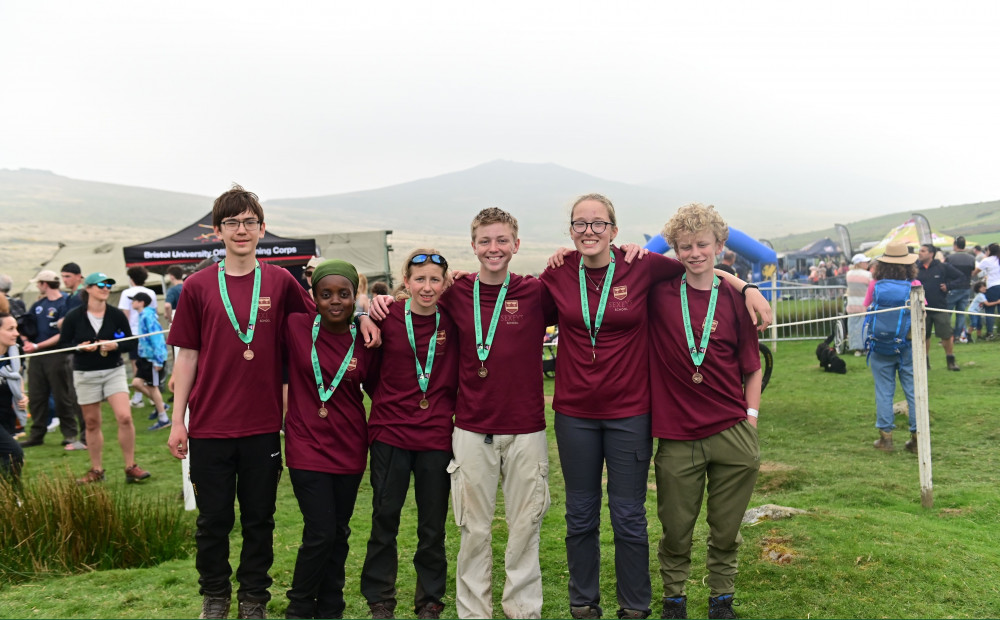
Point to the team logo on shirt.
(441, 337)
(715, 325)
(510, 306)
(620, 292)
(264, 304)
(352, 364)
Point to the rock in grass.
(770, 512)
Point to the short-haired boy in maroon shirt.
(705, 383)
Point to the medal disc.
(424, 403)
(322, 412)
(697, 377)
(483, 372)
(248, 355)
(104, 353)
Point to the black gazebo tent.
(195, 243)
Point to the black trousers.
(53, 375)
(390, 477)
(222, 471)
(11, 456)
(327, 503)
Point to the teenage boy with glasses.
(228, 371)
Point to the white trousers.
(521, 464)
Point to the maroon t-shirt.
(396, 417)
(616, 384)
(682, 409)
(509, 400)
(232, 397)
(338, 443)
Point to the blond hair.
(362, 284)
(597, 198)
(692, 219)
(493, 215)
(401, 292)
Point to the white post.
(918, 334)
(774, 311)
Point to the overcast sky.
(319, 97)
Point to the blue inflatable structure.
(763, 260)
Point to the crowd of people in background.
(650, 347)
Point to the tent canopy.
(820, 248)
(368, 251)
(195, 243)
(907, 232)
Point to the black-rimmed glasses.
(437, 259)
(249, 224)
(580, 227)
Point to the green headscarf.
(336, 268)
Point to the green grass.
(867, 549)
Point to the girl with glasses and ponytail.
(409, 431)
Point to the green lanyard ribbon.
(605, 288)
(698, 353)
(483, 347)
(326, 393)
(423, 374)
(247, 338)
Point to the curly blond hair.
(694, 218)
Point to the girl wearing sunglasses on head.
(410, 430)
(99, 373)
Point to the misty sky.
(319, 97)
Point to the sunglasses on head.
(437, 259)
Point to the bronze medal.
(248, 355)
(697, 377)
(323, 412)
(424, 403)
(482, 372)
(104, 353)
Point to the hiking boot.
(675, 607)
(721, 606)
(135, 474)
(93, 475)
(633, 613)
(884, 441)
(585, 611)
(911, 445)
(430, 611)
(30, 443)
(381, 610)
(951, 363)
(214, 607)
(251, 609)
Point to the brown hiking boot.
(430, 611)
(215, 607)
(586, 611)
(93, 475)
(136, 473)
(381, 611)
(911, 445)
(884, 441)
(252, 609)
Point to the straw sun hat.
(898, 253)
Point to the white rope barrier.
(81, 346)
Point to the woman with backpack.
(889, 350)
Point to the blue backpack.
(887, 333)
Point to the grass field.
(866, 548)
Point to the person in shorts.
(99, 331)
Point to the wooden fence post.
(919, 336)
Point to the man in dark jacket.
(958, 298)
(937, 279)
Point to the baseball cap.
(860, 258)
(143, 297)
(96, 277)
(46, 275)
(314, 262)
(71, 268)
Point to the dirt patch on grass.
(775, 476)
(777, 549)
(953, 512)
